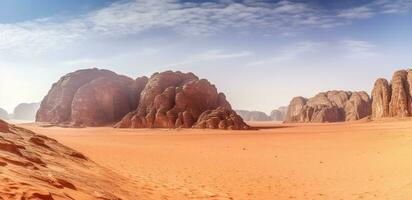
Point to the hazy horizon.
(259, 53)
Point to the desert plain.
(349, 160)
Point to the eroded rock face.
(104, 101)
(279, 114)
(90, 97)
(394, 99)
(178, 100)
(37, 167)
(332, 106)
(400, 98)
(26, 111)
(295, 109)
(381, 97)
(253, 115)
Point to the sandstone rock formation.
(181, 100)
(4, 115)
(37, 167)
(332, 106)
(279, 114)
(90, 97)
(26, 111)
(94, 97)
(381, 97)
(253, 115)
(394, 99)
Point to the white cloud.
(356, 13)
(289, 53)
(131, 17)
(394, 6)
(377, 7)
(213, 55)
(136, 16)
(359, 49)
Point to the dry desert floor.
(364, 160)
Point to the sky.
(260, 53)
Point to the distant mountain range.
(23, 111)
(276, 115)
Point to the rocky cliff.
(393, 99)
(331, 106)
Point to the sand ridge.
(33, 166)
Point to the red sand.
(366, 160)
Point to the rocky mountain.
(37, 167)
(253, 115)
(95, 97)
(393, 99)
(4, 115)
(181, 100)
(279, 114)
(331, 106)
(90, 97)
(26, 111)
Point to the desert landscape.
(335, 145)
(205, 100)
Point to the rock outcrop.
(90, 97)
(332, 106)
(253, 115)
(94, 97)
(26, 111)
(381, 97)
(181, 100)
(279, 114)
(393, 99)
(37, 167)
(4, 115)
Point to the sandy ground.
(367, 160)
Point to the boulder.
(177, 100)
(90, 97)
(331, 106)
(253, 115)
(26, 111)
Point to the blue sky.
(259, 53)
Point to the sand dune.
(35, 167)
(363, 160)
